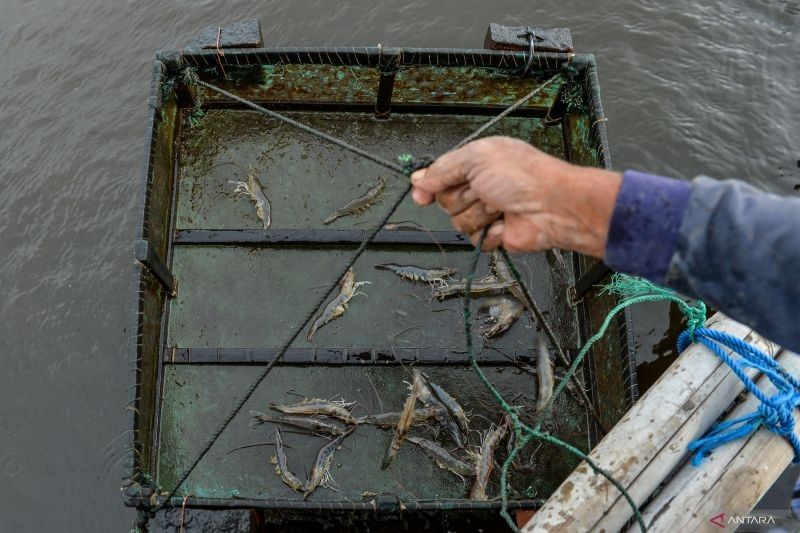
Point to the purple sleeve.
(645, 224)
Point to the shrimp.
(255, 191)
(320, 473)
(313, 425)
(443, 458)
(338, 305)
(484, 462)
(451, 405)
(544, 371)
(360, 204)
(390, 420)
(415, 273)
(282, 466)
(316, 406)
(503, 312)
(403, 424)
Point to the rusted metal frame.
(598, 116)
(144, 253)
(345, 356)
(366, 57)
(331, 237)
(382, 504)
(165, 311)
(387, 70)
(628, 355)
(132, 494)
(132, 468)
(566, 134)
(595, 433)
(487, 110)
(555, 114)
(591, 86)
(588, 280)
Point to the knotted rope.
(776, 412)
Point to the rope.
(407, 164)
(775, 412)
(507, 111)
(523, 432)
(531, 303)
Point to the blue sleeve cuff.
(645, 224)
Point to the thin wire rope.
(507, 111)
(359, 251)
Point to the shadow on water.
(689, 88)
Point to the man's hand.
(532, 201)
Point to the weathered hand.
(544, 202)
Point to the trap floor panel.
(196, 398)
(306, 179)
(235, 298)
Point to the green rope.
(190, 80)
(635, 290)
(587, 402)
(523, 432)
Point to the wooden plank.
(732, 480)
(499, 37)
(650, 440)
(242, 34)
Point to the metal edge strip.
(130, 470)
(370, 57)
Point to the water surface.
(689, 88)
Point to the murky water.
(689, 87)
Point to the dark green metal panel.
(162, 179)
(238, 297)
(196, 397)
(581, 149)
(304, 83)
(355, 84)
(468, 85)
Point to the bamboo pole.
(650, 441)
(732, 480)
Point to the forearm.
(582, 205)
(727, 243)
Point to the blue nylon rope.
(776, 412)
